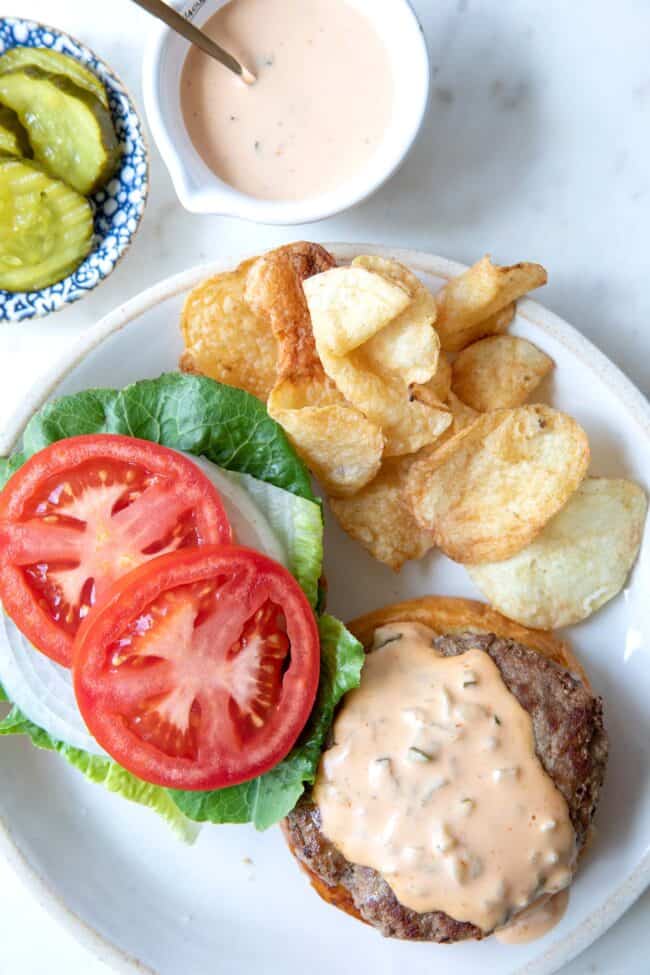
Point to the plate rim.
(627, 393)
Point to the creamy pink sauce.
(536, 921)
(434, 781)
(317, 111)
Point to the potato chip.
(224, 338)
(380, 520)
(409, 345)
(579, 561)
(274, 291)
(462, 416)
(408, 350)
(437, 389)
(469, 305)
(299, 392)
(335, 440)
(499, 372)
(307, 258)
(348, 305)
(495, 324)
(369, 381)
(489, 490)
(339, 445)
(387, 401)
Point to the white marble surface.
(536, 147)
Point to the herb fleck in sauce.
(317, 111)
(458, 813)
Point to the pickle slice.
(13, 138)
(56, 63)
(70, 131)
(46, 228)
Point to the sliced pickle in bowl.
(70, 131)
(56, 63)
(46, 227)
(13, 138)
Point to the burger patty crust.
(571, 744)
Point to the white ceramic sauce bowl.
(201, 191)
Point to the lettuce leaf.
(267, 799)
(105, 772)
(8, 465)
(298, 525)
(232, 429)
(227, 425)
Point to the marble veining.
(536, 147)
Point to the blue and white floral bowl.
(118, 206)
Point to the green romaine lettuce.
(8, 465)
(298, 526)
(232, 429)
(192, 413)
(105, 772)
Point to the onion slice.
(42, 690)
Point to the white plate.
(122, 883)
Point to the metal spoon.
(159, 9)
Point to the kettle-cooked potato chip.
(274, 291)
(387, 401)
(224, 338)
(437, 389)
(499, 372)
(371, 376)
(579, 561)
(396, 272)
(228, 335)
(462, 416)
(408, 351)
(419, 427)
(408, 345)
(489, 491)
(339, 445)
(307, 258)
(493, 325)
(469, 305)
(348, 305)
(378, 518)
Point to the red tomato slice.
(200, 669)
(81, 513)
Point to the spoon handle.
(191, 33)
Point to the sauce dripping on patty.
(434, 782)
(536, 921)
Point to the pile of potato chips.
(409, 409)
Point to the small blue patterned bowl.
(118, 206)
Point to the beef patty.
(571, 744)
